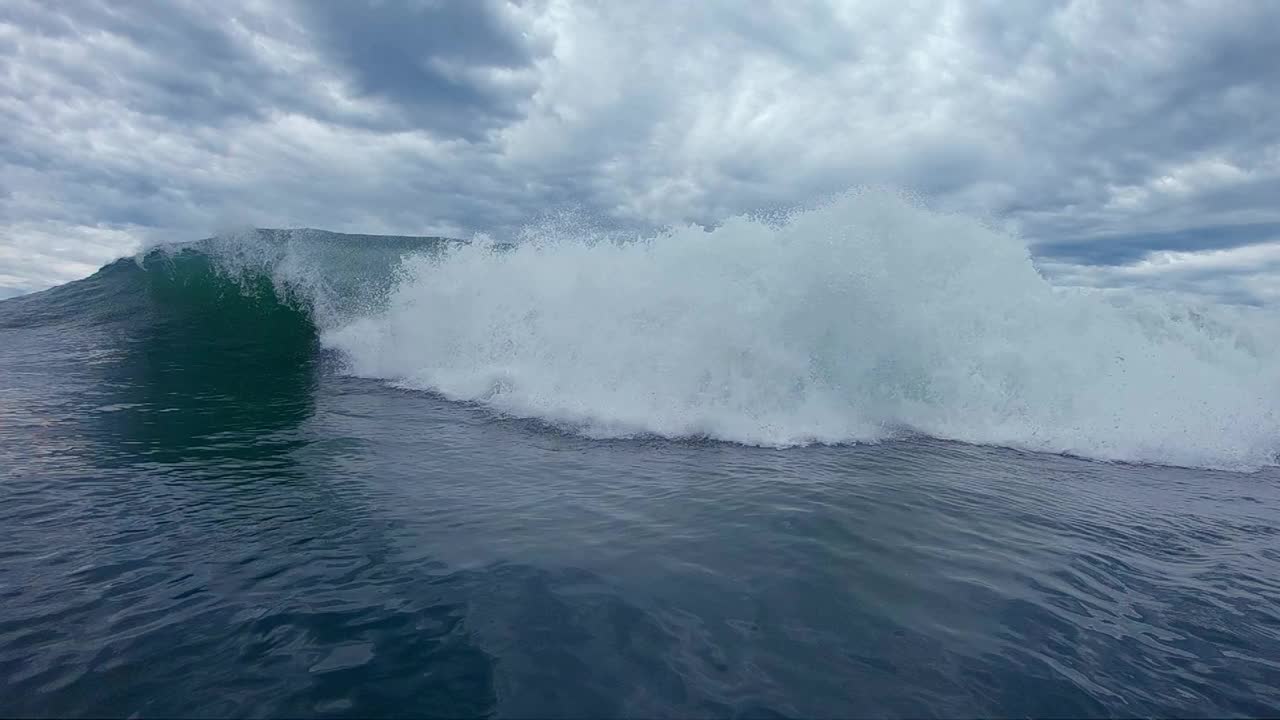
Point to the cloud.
(1102, 132)
(1247, 274)
(40, 255)
(451, 67)
(1128, 248)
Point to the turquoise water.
(210, 512)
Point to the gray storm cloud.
(1129, 143)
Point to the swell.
(172, 299)
(263, 291)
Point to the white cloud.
(1249, 273)
(36, 255)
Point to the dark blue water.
(233, 528)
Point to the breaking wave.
(868, 318)
(865, 319)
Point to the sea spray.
(866, 318)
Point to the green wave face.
(207, 307)
(194, 349)
(264, 291)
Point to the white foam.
(855, 321)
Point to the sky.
(1129, 143)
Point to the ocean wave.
(867, 318)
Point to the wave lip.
(860, 320)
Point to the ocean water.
(861, 461)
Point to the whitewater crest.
(868, 318)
